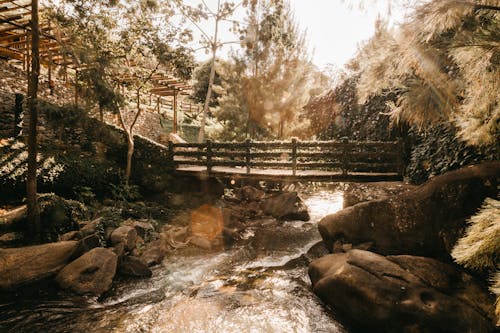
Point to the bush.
(437, 150)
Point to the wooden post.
(294, 156)
(400, 161)
(76, 87)
(28, 69)
(51, 84)
(345, 156)
(248, 156)
(171, 153)
(174, 127)
(209, 155)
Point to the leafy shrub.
(125, 192)
(437, 150)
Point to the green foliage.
(84, 194)
(479, 249)
(200, 87)
(58, 215)
(438, 150)
(442, 63)
(125, 192)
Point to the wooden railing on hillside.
(344, 156)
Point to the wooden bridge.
(290, 160)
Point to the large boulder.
(286, 206)
(134, 266)
(126, 235)
(427, 221)
(29, 264)
(373, 293)
(90, 274)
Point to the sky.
(334, 29)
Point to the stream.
(259, 286)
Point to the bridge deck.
(287, 175)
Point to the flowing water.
(261, 286)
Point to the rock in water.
(134, 266)
(32, 263)
(374, 293)
(126, 235)
(91, 274)
(286, 206)
(427, 221)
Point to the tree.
(201, 77)
(31, 181)
(137, 39)
(278, 77)
(443, 63)
(211, 43)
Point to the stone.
(126, 235)
(249, 193)
(143, 228)
(426, 221)
(373, 293)
(286, 206)
(87, 243)
(90, 227)
(201, 242)
(134, 266)
(154, 253)
(207, 222)
(90, 274)
(119, 250)
(72, 235)
(29, 264)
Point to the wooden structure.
(15, 40)
(167, 85)
(324, 160)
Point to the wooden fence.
(344, 156)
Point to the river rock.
(90, 227)
(90, 274)
(426, 221)
(134, 266)
(373, 293)
(126, 235)
(28, 264)
(72, 235)
(143, 228)
(249, 193)
(154, 253)
(286, 206)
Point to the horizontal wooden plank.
(228, 154)
(271, 164)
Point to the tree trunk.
(101, 113)
(201, 135)
(34, 227)
(130, 153)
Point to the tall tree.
(443, 62)
(123, 47)
(210, 42)
(31, 181)
(278, 75)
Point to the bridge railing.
(344, 156)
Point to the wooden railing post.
(171, 152)
(209, 155)
(345, 156)
(294, 156)
(400, 161)
(248, 156)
